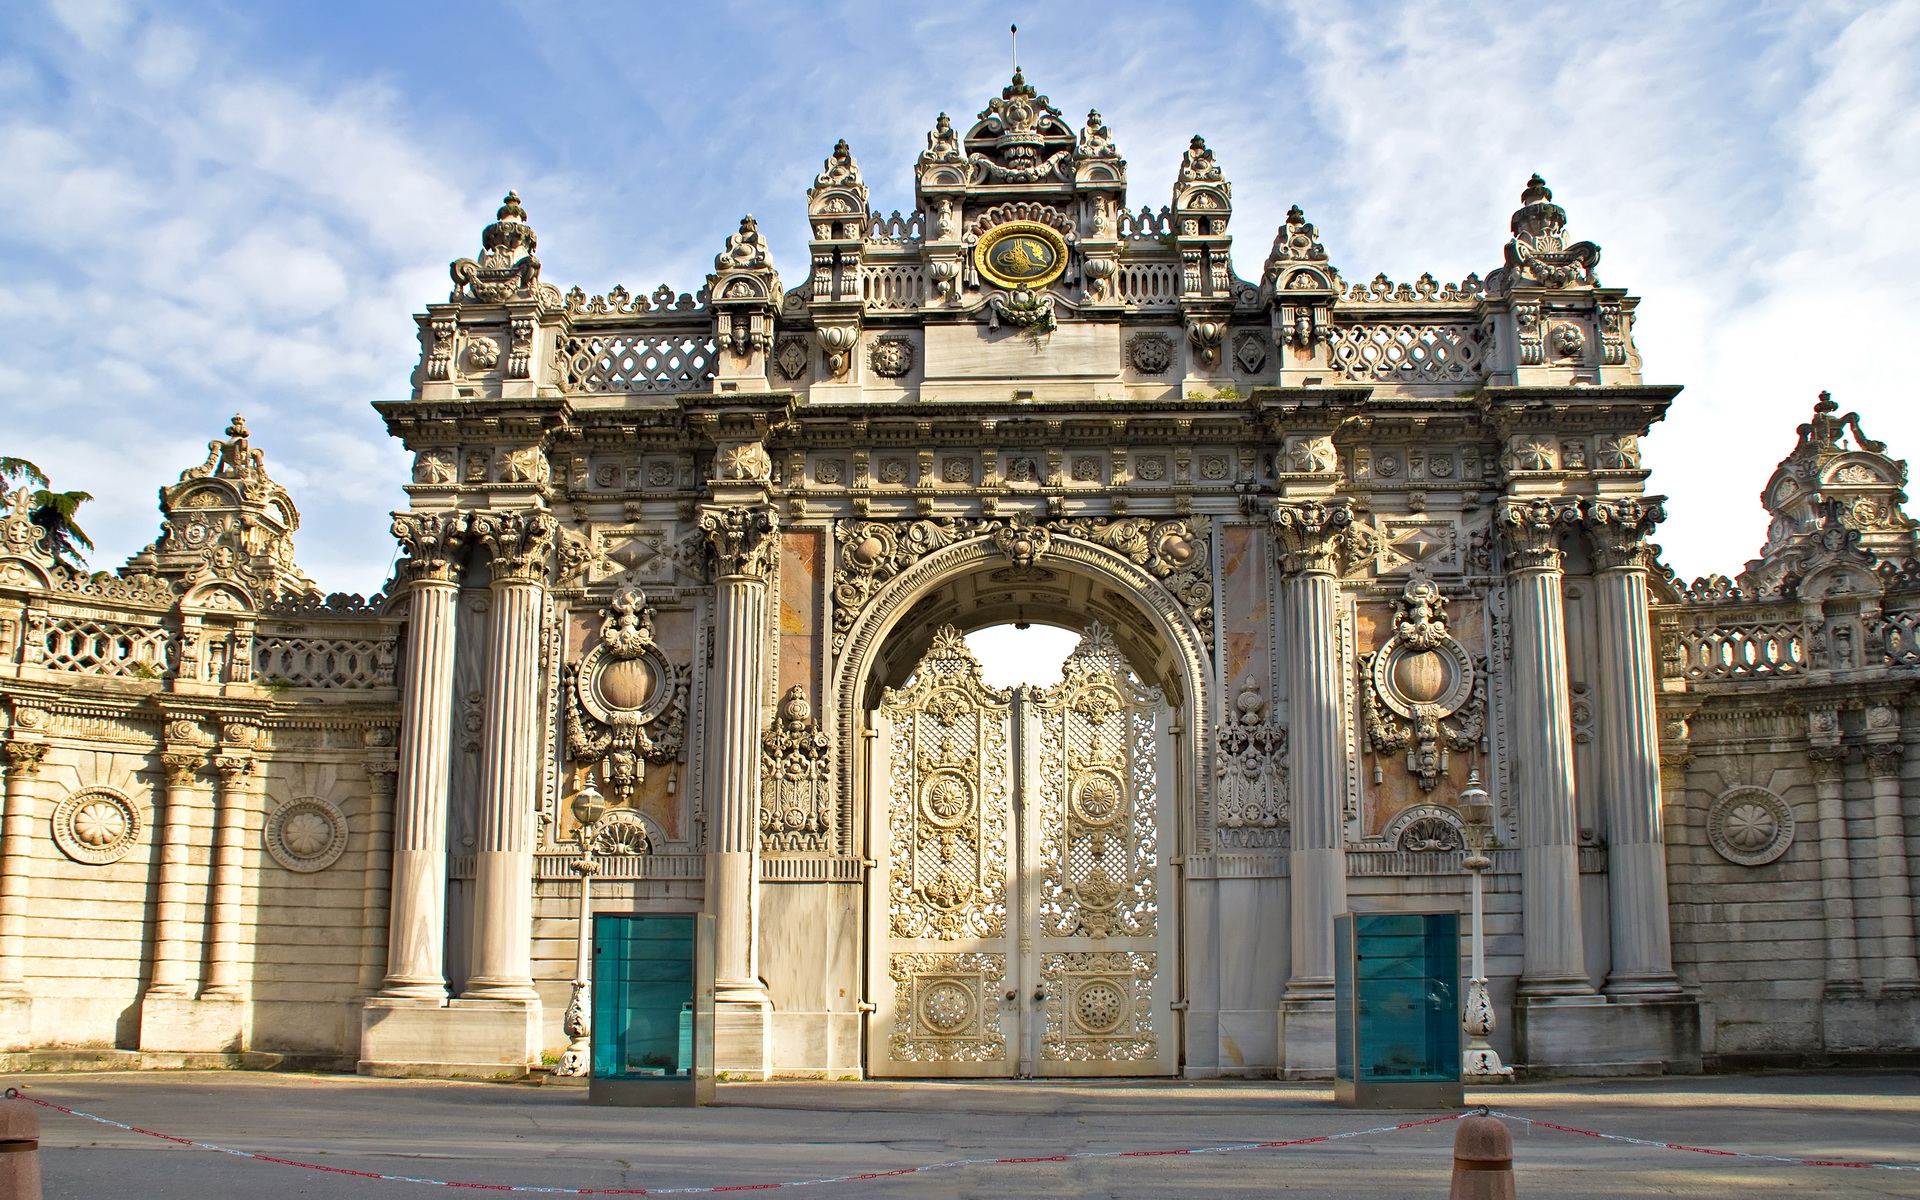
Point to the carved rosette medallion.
(306, 835)
(96, 826)
(626, 705)
(1749, 826)
(1099, 1007)
(890, 357)
(1420, 691)
(947, 1007)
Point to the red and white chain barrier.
(745, 1187)
(965, 1162)
(1779, 1158)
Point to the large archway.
(1023, 913)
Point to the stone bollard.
(19, 1148)
(1482, 1160)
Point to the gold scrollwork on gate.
(1098, 796)
(949, 801)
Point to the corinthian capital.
(23, 758)
(1530, 531)
(1619, 530)
(433, 542)
(741, 538)
(1311, 536)
(520, 543)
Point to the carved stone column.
(1554, 963)
(743, 542)
(1828, 758)
(417, 921)
(173, 956)
(231, 798)
(1630, 750)
(16, 863)
(1310, 538)
(521, 543)
(1884, 761)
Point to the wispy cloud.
(216, 210)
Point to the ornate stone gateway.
(1021, 910)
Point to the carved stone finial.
(741, 539)
(1311, 535)
(507, 268)
(943, 142)
(840, 170)
(1538, 252)
(1198, 165)
(1295, 241)
(746, 250)
(1096, 140)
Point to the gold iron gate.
(1021, 908)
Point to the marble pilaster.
(1884, 762)
(1829, 762)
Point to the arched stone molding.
(1183, 669)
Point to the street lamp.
(588, 807)
(1476, 811)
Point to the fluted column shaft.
(229, 854)
(1311, 539)
(509, 779)
(417, 915)
(1318, 860)
(1554, 962)
(742, 542)
(16, 862)
(1642, 937)
(173, 955)
(1884, 760)
(733, 766)
(1836, 871)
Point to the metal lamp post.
(1482, 1060)
(588, 807)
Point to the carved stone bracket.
(741, 539)
(1619, 530)
(1530, 531)
(520, 543)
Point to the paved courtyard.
(765, 1133)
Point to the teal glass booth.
(1396, 1006)
(652, 1010)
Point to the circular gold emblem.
(1021, 254)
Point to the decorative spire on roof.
(1538, 252)
(838, 190)
(840, 169)
(1295, 241)
(943, 142)
(746, 250)
(507, 268)
(1021, 138)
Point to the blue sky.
(224, 207)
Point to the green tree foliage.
(52, 511)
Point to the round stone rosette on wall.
(306, 835)
(96, 826)
(1750, 826)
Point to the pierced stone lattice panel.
(1099, 1006)
(947, 1007)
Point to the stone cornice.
(436, 423)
